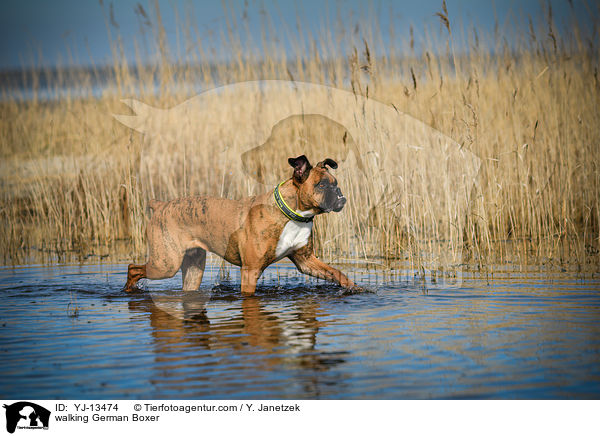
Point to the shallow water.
(69, 332)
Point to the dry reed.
(71, 181)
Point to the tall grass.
(72, 185)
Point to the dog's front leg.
(308, 263)
(250, 275)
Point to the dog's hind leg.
(134, 274)
(165, 253)
(192, 268)
(157, 267)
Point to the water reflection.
(266, 339)
(520, 335)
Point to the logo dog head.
(26, 414)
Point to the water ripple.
(69, 331)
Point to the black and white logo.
(26, 415)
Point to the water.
(69, 332)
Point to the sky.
(46, 33)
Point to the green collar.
(286, 210)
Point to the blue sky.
(59, 32)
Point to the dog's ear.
(301, 168)
(329, 162)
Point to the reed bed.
(73, 183)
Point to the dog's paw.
(132, 289)
(355, 289)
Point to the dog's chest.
(294, 236)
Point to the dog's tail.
(155, 205)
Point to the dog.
(251, 233)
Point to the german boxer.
(251, 233)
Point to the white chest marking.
(294, 236)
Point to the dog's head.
(317, 188)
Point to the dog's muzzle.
(335, 200)
(340, 202)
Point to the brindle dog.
(251, 233)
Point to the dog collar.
(286, 210)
